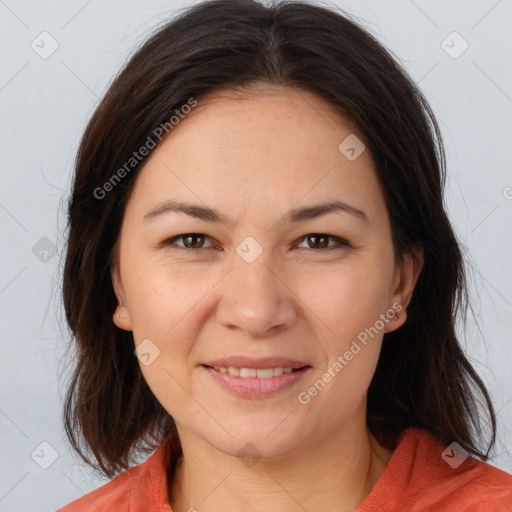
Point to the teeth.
(261, 373)
(248, 372)
(264, 373)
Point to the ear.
(404, 281)
(121, 315)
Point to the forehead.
(258, 114)
(270, 144)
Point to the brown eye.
(192, 241)
(195, 241)
(321, 240)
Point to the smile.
(255, 383)
(260, 373)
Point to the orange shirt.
(422, 475)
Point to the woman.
(262, 280)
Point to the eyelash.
(170, 242)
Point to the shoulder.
(424, 475)
(140, 488)
(113, 495)
(468, 483)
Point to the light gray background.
(45, 104)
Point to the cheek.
(348, 300)
(357, 298)
(164, 309)
(161, 297)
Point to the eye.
(195, 241)
(321, 240)
(190, 240)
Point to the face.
(245, 275)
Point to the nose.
(256, 298)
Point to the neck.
(341, 469)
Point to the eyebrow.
(207, 214)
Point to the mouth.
(250, 363)
(252, 378)
(259, 373)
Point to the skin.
(253, 156)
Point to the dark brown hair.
(423, 378)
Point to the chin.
(254, 442)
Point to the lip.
(254, 387)
(249, 362)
